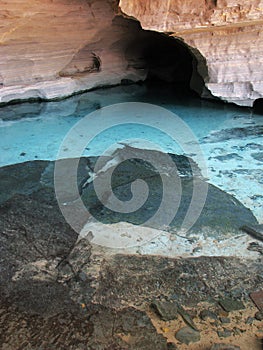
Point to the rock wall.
(54, 48)
(227, 33)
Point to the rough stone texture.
(225, 347)
(187, 335)
(50, 49)
(41, 266)
(60, 293)
(94, 328)
(221, 214)
(167, 311)
(225, 36)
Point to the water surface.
(229, 136)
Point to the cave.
(258, 106)
(164, 58)
(182, 267)
(138, 55)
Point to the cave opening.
(163, 58)
(258, 106)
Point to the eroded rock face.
(54, 49)
(228, 34)
(50, 49)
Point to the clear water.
(230, 137)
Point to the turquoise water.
(230, 137)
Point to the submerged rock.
(256, 231)
(221, 214)
(234, 133)
(258, 156)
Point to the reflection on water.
(230, 137)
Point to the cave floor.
(61, 291)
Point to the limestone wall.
(227, 33)
(53, 48)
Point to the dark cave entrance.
(163, 58)
(258, 106)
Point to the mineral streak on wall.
(53, 48)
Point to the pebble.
(207, 314)
(171, 346)
(229, 304)
(187, 335)
(186, 317)
(225, 347)
(237, 331)
(257, 298)
(259, 333)
(224, 320)
(259, 316)
(250, 320)
(225, 333)
(82, 276)
(166, 310)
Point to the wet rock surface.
(235, 133)
(255, 231)
(220, 212)
(58, 292)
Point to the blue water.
(230, 137)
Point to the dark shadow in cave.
(258, 106)
(163, 58)
(166, 59)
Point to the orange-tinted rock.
(227, 33)
(53, 48)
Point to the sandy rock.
(225, 37)
(52, 49)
